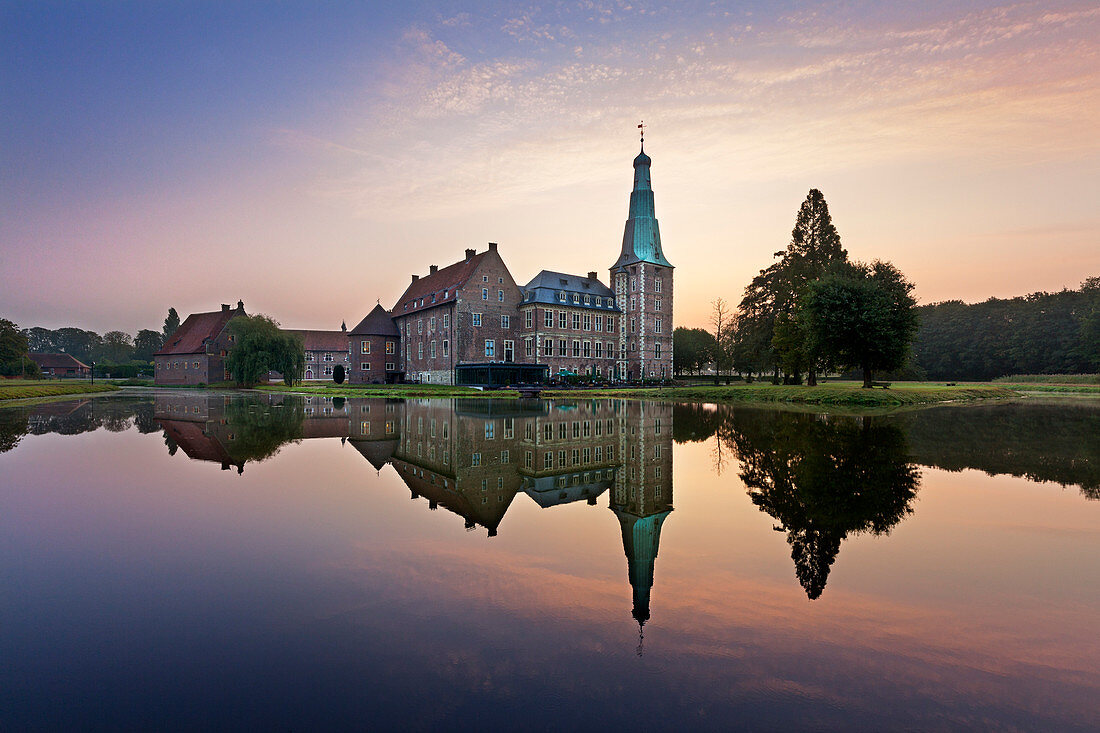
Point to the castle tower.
(642, 281)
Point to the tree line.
(811, 311)
(1040, 333)
(116, 352)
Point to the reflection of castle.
(470, 457)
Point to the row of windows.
(431, 350)
(420, 327)
(365, 366)
(657, 303)
(579, 321)
(580, 348)
(600, 302)
(390, 345)
(328, 356)
(176, 365)
(634, 284)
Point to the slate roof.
(642, 235)
(547, 285)
(190, 336)
(321, 340)
(377, 323)
(441, 286)
(57, 361)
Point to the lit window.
(365, 347)
(389, 347)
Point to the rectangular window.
(485, 293)
(490, 347)
(509, 351)
(420, 325)
(490, 430)
(505, 457)
(365, 366)
(328, 357)
(657, 326)
(431, 350)
(587, 345)
(587, 321)
(610, 350)
(599, 349)
(390, 347)
(610, 324)
(431, 324)
(599, 323)
(562, 347)
(500, 296)
(365, 347)
(657, 285)
(446, 347)
(391, 367)
(505, 322)
(446, 320)
(548, 319)
(476, 319)
(420, 350)
(576, 321)
(527, 347)
(563, 318)
(528, 319)
(548, 459)
(657, 304)
(309, 356)
(475, 459)
(657, 350)
(576, 348)
(548, 347)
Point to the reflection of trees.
(823, 480)
(13, 426)
(1041, 442)
(259, 429)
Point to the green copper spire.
(642, 238)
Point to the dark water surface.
(198, 561)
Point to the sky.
(308, 157)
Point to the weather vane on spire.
(641, 130)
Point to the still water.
(183, 560)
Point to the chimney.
(470, 253)
(492, 246)
(225, 307)
(592, 276)
(415, 278)
(433, 269)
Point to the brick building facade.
(195, 352)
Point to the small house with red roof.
(195, 352)
(60, 365)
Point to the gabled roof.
(321, 340)
(438, 287)
(57, 361)
(545, 287)
(377, 323)
(189, 337)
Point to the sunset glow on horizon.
(308, 158)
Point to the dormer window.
(587, 300)
(561, 297)
(484, 278)
(576, 299)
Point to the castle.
(468, 321)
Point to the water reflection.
(823, 479)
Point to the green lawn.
(29, 389)
(833, 393)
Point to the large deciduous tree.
(862, 316)
(147, 343)
(13, 351)
(692, 348)
(117, 347)
(259, 347)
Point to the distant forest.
(1041, 333)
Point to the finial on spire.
(641, 132)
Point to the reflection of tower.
(643, 491)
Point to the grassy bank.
(848, 395)
(1056, 379)
(388, 390)
(20, 390)
(844, 394)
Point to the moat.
(183, 560)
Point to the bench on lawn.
(884, 385)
